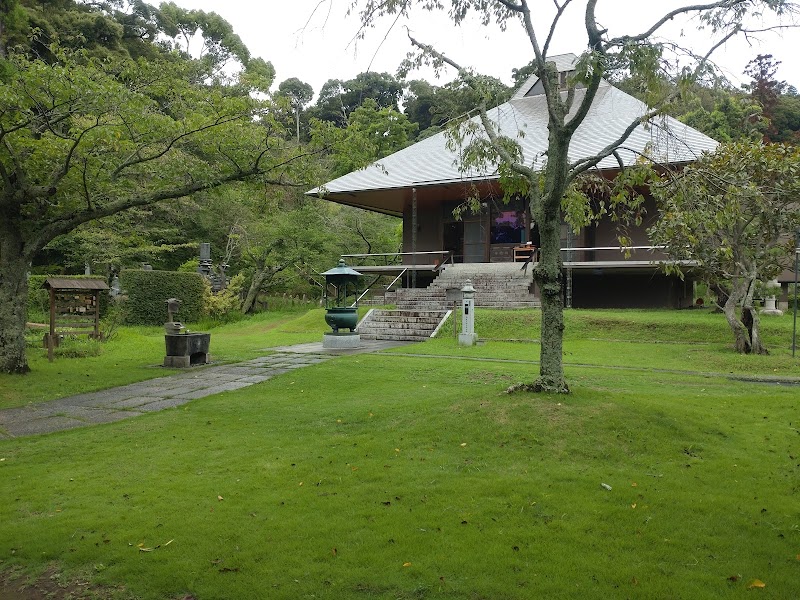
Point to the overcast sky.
(313, 40)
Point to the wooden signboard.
(74, 308)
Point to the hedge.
(148, 290)
(39, 298)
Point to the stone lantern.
(770, 307)
(340, 315)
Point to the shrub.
(71, 346)
(190, 266)
(147, 291)
(223, 307)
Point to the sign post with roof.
(74, 308)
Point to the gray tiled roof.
(563, 62)
(430, 161)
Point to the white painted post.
(468, 337)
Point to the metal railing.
(600, 248)
(446, 253)
(448, 259)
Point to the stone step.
(402, 325)
(412, 321)
(408, 314)
(395, 337)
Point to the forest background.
(273, 238)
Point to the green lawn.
(386, 476)
(137, 353)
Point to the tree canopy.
(84, 138)
(733, 215)
(638, 53)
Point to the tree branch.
(484, 118)
(131, 161)
(618, 41)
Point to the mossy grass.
(136, 353)
(380, 476)
(693, 340)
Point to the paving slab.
(157, 405)
(217, 389)
(135, 402)
(135, 399)
(317, 348)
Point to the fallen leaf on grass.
(756, 583)
(141, 547)
(406, 564)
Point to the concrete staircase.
(401, 325)
(497, 285)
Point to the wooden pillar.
(96, 306)
(52, 334)
(413, 237)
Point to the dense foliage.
(733, 214)
(147, 292)
(126, 125)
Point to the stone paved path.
(119, 403)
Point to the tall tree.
(568, 104)
(299, 94)
(765, 89)
(734, 214)
(82, 139)
(433, 108)
(371, 133)
(337, 99)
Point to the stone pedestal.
(467, 339)
(341, 340)
(770, 308)
(769, 301)
(187, 349)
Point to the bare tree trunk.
(3, 53)
(548, 273)
(750, 318)
(259, 277)
(746, 334)
(740, 334)
(13, 302)
(549, 277)
(721, 294)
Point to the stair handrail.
(396, 279)
(388, 287)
